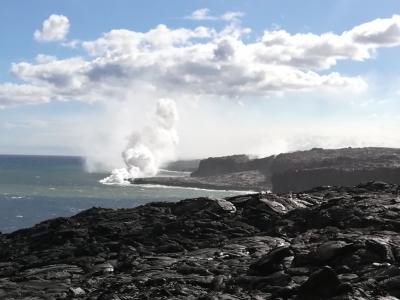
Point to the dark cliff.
(368, 157)
(230, 164)
(303, 170)
(183, 165)
(222, 165)
(299, 180)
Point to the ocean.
(37, 188)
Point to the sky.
(257, 77)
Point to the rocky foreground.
(327, 243)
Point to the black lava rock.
(327, 243)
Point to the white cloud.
(378, 33)
(17, 94)
(54, 28)
(203, 14)
(63, 74)
(232, 16)
(71, 44)
(322, 51)
(200, 61)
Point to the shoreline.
(154, 185)
(150, 185)
(294, 246)
(238, 181)
(196, 187)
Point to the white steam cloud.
(145, 152)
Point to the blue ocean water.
(36, 188)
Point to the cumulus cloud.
(378, 33)
(323, 51)
(202, 61)
(54, 28)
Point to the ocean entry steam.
(146, 151)
(36, 188)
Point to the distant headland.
(287, 172)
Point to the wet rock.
(103, 268)
(382, 248)
(186, 269)
(76, 292)
(348, 277)
(8, 269)
(271, 262)
(332, 249)
(321, 284)
(199, 205)
(59, 271)
(392, 286)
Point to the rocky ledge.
(239, 181)
(295, 171)
(327, 243)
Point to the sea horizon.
(34, 188)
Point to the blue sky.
(259, 96)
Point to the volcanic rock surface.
(240, 181)
(327, 243)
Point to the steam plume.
(145, 152)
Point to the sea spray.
(148, 150)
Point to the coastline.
(293, 246)
(155, 185)
(149, 185)
(238, 181)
